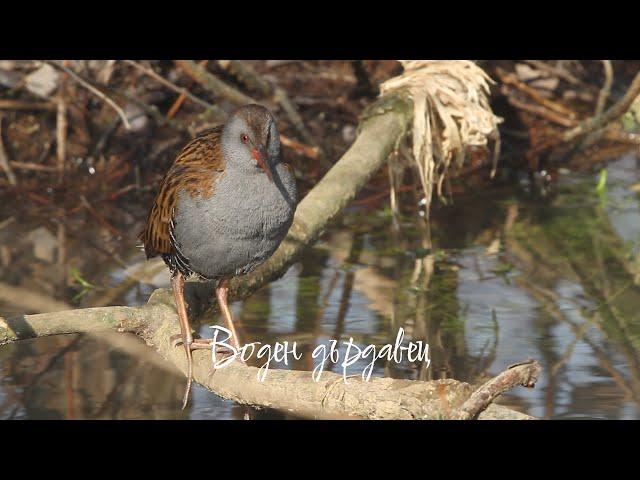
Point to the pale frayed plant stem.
(451, 112)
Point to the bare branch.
(525, 374)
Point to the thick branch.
(286, 390)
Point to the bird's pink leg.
(177, 285)
(186, 338)
(222, 291)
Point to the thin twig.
(93, 90)
(32, 166)
(182, 91)
(298, 147)
(512, 80)
(4, 160)
(282, 98)
(22, 105)
(541, 111)
(61, 131)
(606, 87)
(181, 98)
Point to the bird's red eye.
(244, 138)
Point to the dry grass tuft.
(451, 112)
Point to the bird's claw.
(198, 344)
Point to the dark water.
(516, 276)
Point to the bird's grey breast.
(239, 226)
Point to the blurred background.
(539, 260)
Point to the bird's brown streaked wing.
(194, 171)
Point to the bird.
(222, 209)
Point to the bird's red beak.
(259, 157)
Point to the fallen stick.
(213, 83)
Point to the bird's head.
(250, 140)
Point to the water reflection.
(88, 377)
(514, 277)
